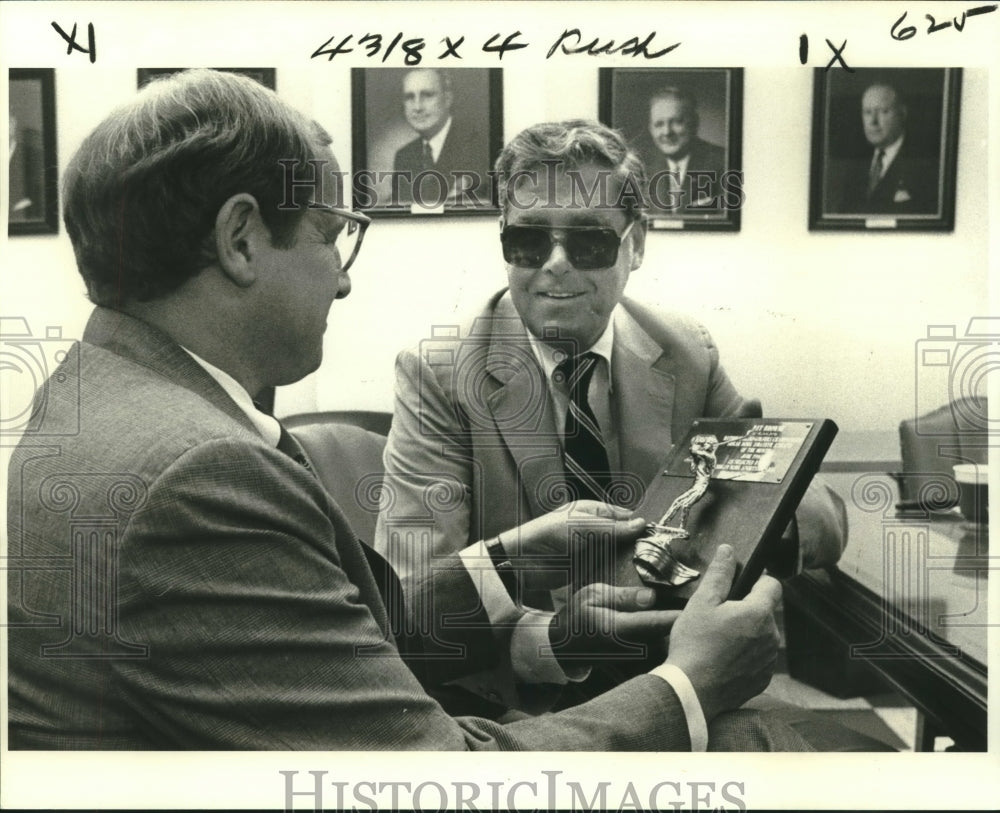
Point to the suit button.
(494, 696)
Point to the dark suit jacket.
(175, 582)
(908, 186)
(473, 450)
(701, 188)
(465, 149)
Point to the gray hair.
(444, 77)
(143, 191)
(574, 144)
(673, 93)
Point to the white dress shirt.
(436, 142)
(531, 652)
(888, 155)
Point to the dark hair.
(143, 191)
(574, 144)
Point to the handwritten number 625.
(905, 32)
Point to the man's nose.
(558, 261)
(343, 284)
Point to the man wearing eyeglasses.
(178, 577)
(561, 388)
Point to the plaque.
(730, 480)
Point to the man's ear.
(239, 232)
(638, 238)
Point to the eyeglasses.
(588, 248)
(350, 235)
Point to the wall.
(816, 324)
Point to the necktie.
(876, 171)
(428, 156)
(290, 446)
(676, 187)
(585, 459)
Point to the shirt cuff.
(499, 606)
(532, 656)
(697, 726)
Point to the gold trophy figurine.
(654, 560)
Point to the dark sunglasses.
(588, 248)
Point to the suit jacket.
(473, 450)
(465, 149)
(908, 186)
(175, 582)
(701, 188)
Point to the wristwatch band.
(502, 564)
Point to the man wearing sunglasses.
(178, 577)
(498, 411)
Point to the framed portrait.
(687, 126)
(884, 149)
(424, 139)
(32, 177)
(266, 76)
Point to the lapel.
(149, 347)
(643, 397)
(521, 409)
(145, 345)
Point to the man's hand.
(727, 649)
(603, 621)
(547, 550)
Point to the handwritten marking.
(901, 33)
(452, 48)
(631, 47)
(838, 56)
(508, 44)
(73, 45)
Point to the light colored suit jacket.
(474, 450)
(175, 582)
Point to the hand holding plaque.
(730, 480)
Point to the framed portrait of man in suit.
(424, 139)
(686, 126)
(31, 178)
(265, 76)
(884, 149)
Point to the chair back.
(348, 461)
(931, 444)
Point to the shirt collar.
(891, 151)
(679, 166)
(268, 426)
(602, 347)
(436, 142)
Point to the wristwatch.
(502, 564)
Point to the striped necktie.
(585, 459)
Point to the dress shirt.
(599, 398)
(598, 394)
(436, 142)
(888, 155)
(679, 168)
(267, 425)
